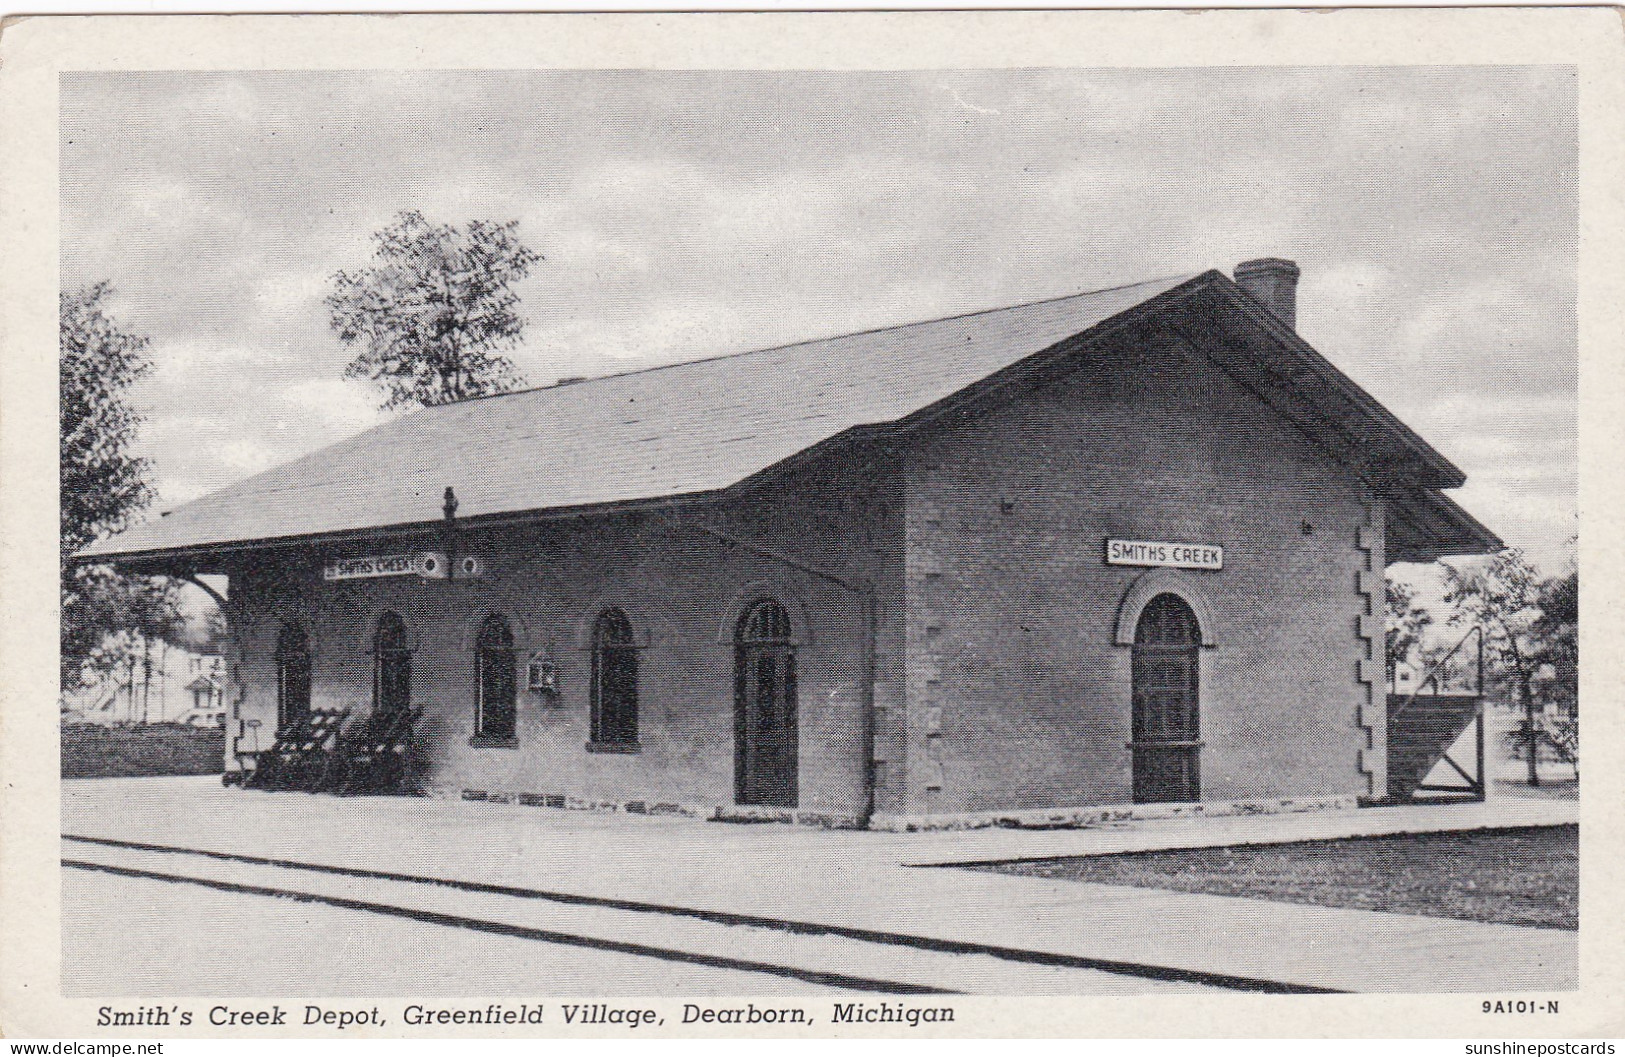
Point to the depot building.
(1122, 547)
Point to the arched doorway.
(765, 749)
(391, 665)
(292, 676)
(1167, 713)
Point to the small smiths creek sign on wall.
(429, 564)
(1172, 555)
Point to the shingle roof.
(661, 433)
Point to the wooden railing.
(1434, 688)
(1439, 668)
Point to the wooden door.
(392, 666)
(765, 741)
(1167, 714)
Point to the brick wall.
(1019, 695)
(679, 585)
(999, 683)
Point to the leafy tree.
(206, 631)
(434, 316)
(1557, 630)
(1406, 623)
(137, 623)
(1503, 597)
(103, 482)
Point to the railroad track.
(815, 953)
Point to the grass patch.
(1519, 876)
(1561, 787)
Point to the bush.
(93, 751)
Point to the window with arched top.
(292, 675)
(614, 682)
(496, 681)
(765, 621)
(391, 665)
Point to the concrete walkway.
(999, 845)
(866, 881)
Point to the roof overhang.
(1269, 358)
(1207, 312)
(217, 558)
(1426, 525)
(1422, 524)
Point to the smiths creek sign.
(428, 564)
(1172, 555)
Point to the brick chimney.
(1274, 282)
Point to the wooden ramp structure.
(1424, 725)
(374, 756)
(317, 752)
(301, 755)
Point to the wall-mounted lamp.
(542, 675)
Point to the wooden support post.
(1483, 778)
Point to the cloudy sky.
(688, 214)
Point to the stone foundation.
(1044, 818)
(1105, 814)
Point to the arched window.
(494, 674)
(391, 665)
(614, 682)
(292, 675)
(765, 734)
(766, 621)
(1167, 716)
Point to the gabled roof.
(687, 429)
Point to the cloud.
(332, 406)
(693, 213)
